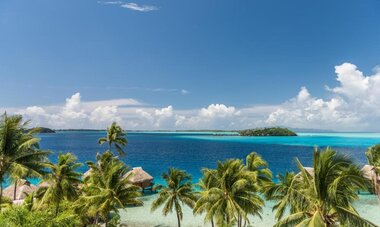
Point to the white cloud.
(131, 5)
(141, 8)
(352, 106)
(77, 114)
(110, 2)
(184, 92)
(105, 115)
(215, 116)
(73, 109)
(217, 110)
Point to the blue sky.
(184, 54)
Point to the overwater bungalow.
(370, 174)
(23, 189)
(86, 174)
(139, 177)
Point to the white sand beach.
(367, 206)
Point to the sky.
(192, 64)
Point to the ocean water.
(157, 151)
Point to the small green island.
(276, 131)
(41, 130)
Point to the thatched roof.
(309, 170)
(87, 173)
(43, 184)
(369, 172)
(23, 189)
(138, 175)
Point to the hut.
(139, 177)
(44, 184)
(370, 173)
(23, 189)
(309, 170)
(87, 174)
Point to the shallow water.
(367, 206)
(158, 151)
(155, 152)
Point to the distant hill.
(42, 130)
(277, 131)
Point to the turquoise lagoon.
(157, 151)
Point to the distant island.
(42, 130)
(277, 131)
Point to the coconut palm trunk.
(106, 221)
(15, 190)
(57, 208)
(178, 220)
(1, 193)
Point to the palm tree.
(20, 155)
(280, 193)
(324, 197)
(17, 173)
(107, 188)
(235, 195)
(62, 180)
(116, 136)
(205, 200)
(256, 164)
(179, 191)
(373, 157)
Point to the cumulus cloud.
(72, 109)
(77, 114)
(353, 106)
(217, 116)
(103, 115)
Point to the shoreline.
(368, 207)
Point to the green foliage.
(41, 130)
(280, 193)
(259, 167)
(19, 216)
(20, 155)
(115, 136)
(230, 192)
(373, 157)
(178, 192)
(323, 197)
(267, 132)
(62, 181)
(107, 189)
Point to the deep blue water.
(156, 152)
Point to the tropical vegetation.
(20, 155)
(115, 136)
(178, 192)
(107, 189)
(231, 194)
(373, 157)
(321, 196)
(61, 182)
(277, 131)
